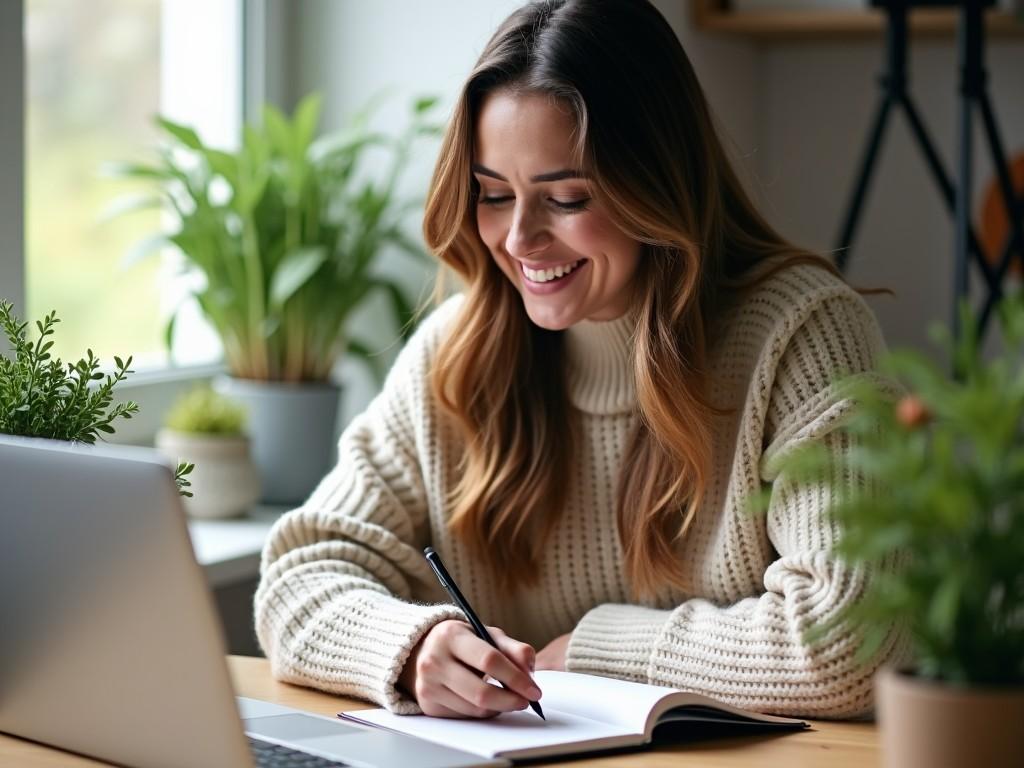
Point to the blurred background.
(794, 103)
(793, 85)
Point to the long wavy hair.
(645, 136)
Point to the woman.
(582, 431)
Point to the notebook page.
(623, 705)
(511, 732)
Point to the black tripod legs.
(935, 167)
(860, 189)
(1013, 204)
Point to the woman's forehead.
(524, 129)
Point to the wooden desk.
(837, 745)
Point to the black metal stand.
(973, 93)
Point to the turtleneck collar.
(600, 365)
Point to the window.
(96, 74)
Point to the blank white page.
(512, 732)
(621, 704)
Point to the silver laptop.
(109, 642)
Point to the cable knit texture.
(345, 593)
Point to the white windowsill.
(229, 550)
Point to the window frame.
(12, 156)
(263, 27)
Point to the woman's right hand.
(446, 672)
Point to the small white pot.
(224, 482)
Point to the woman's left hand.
(552, 655)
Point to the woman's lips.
(557, 283)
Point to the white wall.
(815, 106)
(796, 115)
(350, 49)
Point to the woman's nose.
(527, 234)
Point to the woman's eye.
(573, 205)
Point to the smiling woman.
(583, 430)
(554, 241)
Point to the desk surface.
(838, 745)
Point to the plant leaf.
(278, 130)
(294, 271)
(182, 133)
(307, 116)
(424, 104)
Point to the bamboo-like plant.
(940, 514)
(285, 232)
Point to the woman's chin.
(548, 317)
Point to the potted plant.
(285, 233)
(209, 428)
(943, 525)
(39, 398)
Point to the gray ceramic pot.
(292, 428)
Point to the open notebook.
(584, 713)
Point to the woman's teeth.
(546, 275)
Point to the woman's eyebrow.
(566, 173)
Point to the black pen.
(452, 589)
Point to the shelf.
(715, 16)
(229, 550)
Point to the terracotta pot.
(926, 724)
(224, 482)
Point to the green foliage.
(201, 410)
(184, 469)
(38, 398)
(941, 512)
(285, 233)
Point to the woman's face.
(536, 215)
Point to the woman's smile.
(545, 280)
(537, 215)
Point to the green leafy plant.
(201, 410)
(941, 512)
(40, 398)
(285, 233)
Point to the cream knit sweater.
(345, 592)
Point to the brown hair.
(646, 138)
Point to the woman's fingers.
(441, 701)
(480, 655)
(480, 698)
(445, 672)
(521, 654)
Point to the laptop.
(109, 641)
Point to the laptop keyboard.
(269, 755)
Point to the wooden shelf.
(715, 16)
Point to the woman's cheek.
(487, 226)
(585, 233)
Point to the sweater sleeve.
(333, 608)
(752, 653)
